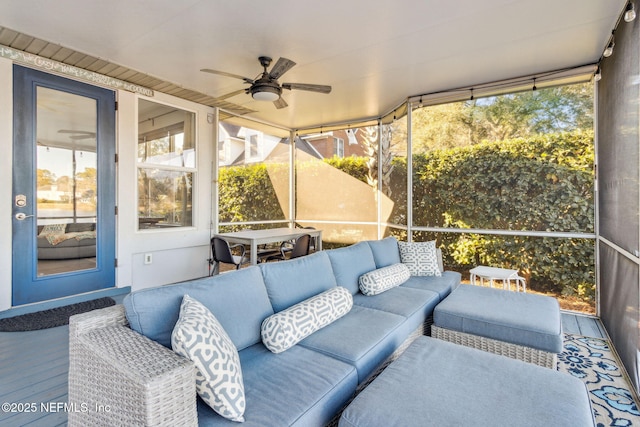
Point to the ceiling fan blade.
(280, 103)
(306, 86)
(79, 137)
(77, 132)
(231, 94)
(224, 73)
(282, 66)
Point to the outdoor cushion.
(385, 251)
(363, 338)
(351, 262)
(400, 300)
(442, 285)
(199, 337)
(525, 319)
(437, 383)
(153, 312)
(382, 279)
(286, 328)
(414, 304)
(292, 281)
(420, 257)
(298, 387)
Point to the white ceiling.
(373, 53)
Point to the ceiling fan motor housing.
(265, 90)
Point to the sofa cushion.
(382, 279)
(290, 282)
(199, 337)
(351, 262)
(442, 285)
(420, 257)
(298, 387)
(153, 312)
(436, 383)
(77, 227)
(286, 328)
(363, 338)
(400, 300)
(525, 319)
(385, 251)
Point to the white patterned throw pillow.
(382, 279)
(199, 337)
(420, 257)
(286, 328)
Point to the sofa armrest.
(119, 377)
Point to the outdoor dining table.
(253, 238)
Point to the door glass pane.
(66, 182)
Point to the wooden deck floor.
(34, 369)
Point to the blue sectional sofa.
(307, 385)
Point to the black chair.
(313, 244)
(300, 247)
(222, 252)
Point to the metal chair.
(313, 243)
(299, 247)
(222, 252)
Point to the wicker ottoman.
(527, 327)
(436, 383)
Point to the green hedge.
(544, 183)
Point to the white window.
(166, 165)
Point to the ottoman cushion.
(437, 383)
(525, 319)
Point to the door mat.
(53, 317)
(593, 361)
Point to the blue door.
(63, 187)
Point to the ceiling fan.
(78, 134)
(266, 87)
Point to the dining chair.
(223, 252)
(299, 248)
(313, 244)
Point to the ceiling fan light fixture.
(265, 93)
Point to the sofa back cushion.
(292, 281)
(351, 262)
(80, 227)
(238, 300)
(385, 251)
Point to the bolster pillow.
(288, 327)
(383, 279)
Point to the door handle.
(20, 216)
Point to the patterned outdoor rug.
(592, 361)
(51, 318)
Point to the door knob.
(20, 216)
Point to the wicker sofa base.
(515, 351)
(118, 377)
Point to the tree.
(45, 177)
(516, 115)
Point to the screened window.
(253, 176)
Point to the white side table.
(482, 273)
